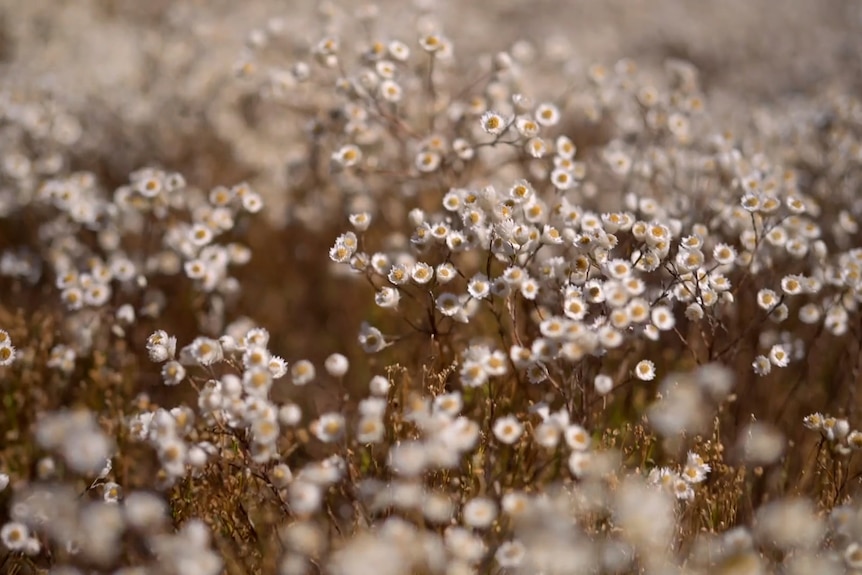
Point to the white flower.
(347, 156)
(662, 318)
(493, 123)
(604, 384)
(508, 429)
(7, 354)
(479, 512)
(761, 365)
(336, 365)
(329, 427)
(778, 356)
(645, 370)
(302, 372)
(547, 114)
(577, 437)
(371, 339)
(14, 536)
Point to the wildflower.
(695, 469)
(527, 127)
(390, 91)
(809, 313)
(379, 385)
(479, 513)
(447, 303)
(493, 123)
(173, 373)
(347, 156)
(14, 536)
(508, 429)
(329, 427)
(762, 365)
(603, 384)
(360, 221)
(428, 161)
(398, 50)
(422, 273)
(778, 356)
(432, 43)
(645, 370)
(473, 374)
(791, 284)
(408, 458)
(577, 437)
(302, 372)
(478, 287)
(564, 147)
(371, 339)
(529, 289)
(387, 297)
(7, 353)
(205, 351)
(256, 356)
(289, 415)
(111, 492)
(682, 489)
(336, 365)
(662, 318)
(562, 179)
(304, 497)
(536, 147)
(579, 463)
(547, 434)
(547, 114)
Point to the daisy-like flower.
(761, 365)
(371, 339)
(778, 356)
(662, 318)
(336, 365)
(473, 374)
(387, 297)
(493, 123)
(347, 156)
(422, 273)
(431, 43)
(529, 288)
(645, 370)
(792, 284)
(579, 462)
(695, 469)
(329, 427)
(510, 554)
(508, 429)
(682, 489)
(562, 179)
(603, 383)
(7, 353)
(724, 254)
(577, 437)
(447, 303)
(547, 114)
(14, 536)
(479, 287)
(479, 513)
(205, 351)
(428, 161)
(767, 299)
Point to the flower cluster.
(382, 299)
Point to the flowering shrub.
(358, 296)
